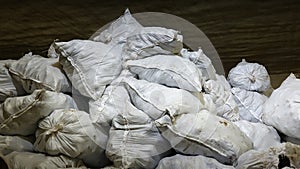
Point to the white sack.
(205, 134)
(249, 76)
(118, 30)
(51, 52)
(190, 162)
(20, 115)
(222, 80)
(149, 41)
(224, 101)
(70, 132)
(89, 65)
(262, 136)
(27, 160)
(9, 144)
(156, 100)
(134, 141)
(7, 87)
(202, 62)
(282, 109)
(36, 72)
(273, 157)
(169, 70)
(250, 104)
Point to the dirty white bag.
(9, 144)
(282, 109)
(191, 162)
(20, 115)
(71, 132)
(134, 141)
(51, 52)
(118, 30)
(169, 70)
(201, 61)
(222, 80)
(250, 104)
(285, 154)
(89, 65)
(249, 76)
(36, 72)
(150, 41)
(204, 134)
(156, 100)
(262, 136)
(7, 87)
(224, 101)
(28, 160)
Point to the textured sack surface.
(36, 72)
(134, 141)
(89, 65)
(27, 160)
(7, 87)
(286, 154)
(202, 61)
(190, 162)
(205, 134)
(250, 104)
(9, 144)
(282, 109)
(261, 135)
(149, 41)
(224, 101)
(70, 132)
(249, 76)
(156, 100)
(20, 115)
(169, 70)
(118, 30)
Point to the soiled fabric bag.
(36, 72)
(250, 104)
(7, 87)
(201, 61)
(284, 155)
(191, 162)
(262, 136)
(150, 41)
(118, 30)
(169, 70)
(20, 115)
(249, 76)
(156, 100)
(282, 109)
(71, 132)
(224, 101)
(134, 141)
(204, 134)
(28, 160)
(89, 65)
(222, 80)
(9, 144)
(51, 52)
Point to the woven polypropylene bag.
(71, 132)
(7, 87)
(89, 65)
(36, 72)
(20, 115)
(9, 144)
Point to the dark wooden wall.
(267, 32)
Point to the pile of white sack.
(133, 98)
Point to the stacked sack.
(133, 97)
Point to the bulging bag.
(70, 132)
(282, 109)
(249, 76)
(20, 115)
(169, 70)
(27, 160)
(89, 65)
(10, 144)
(7, 87)
(36, 72)
(205, 134)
